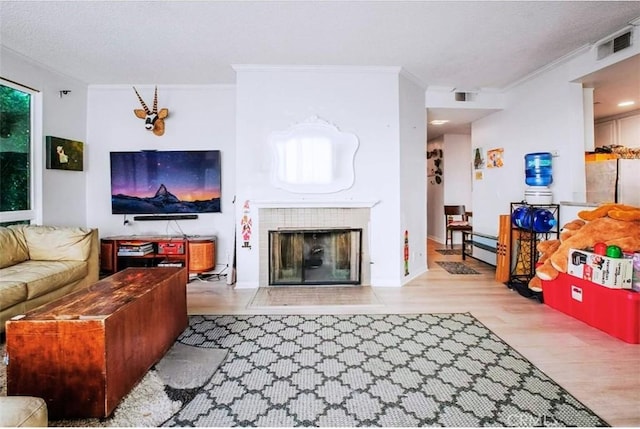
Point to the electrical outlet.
(554, 153)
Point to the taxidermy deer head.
(153, 120)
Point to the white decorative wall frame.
(313, 156)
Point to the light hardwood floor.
(601, 371)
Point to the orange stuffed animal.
(612, 224)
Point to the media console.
(195, 253)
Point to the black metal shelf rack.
(523, 244)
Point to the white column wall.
(362, 101)
(413, 171)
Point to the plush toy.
(570, 228)
(612, 224)
(545, 249)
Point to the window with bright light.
(16, 149)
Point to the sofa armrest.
(94, 258)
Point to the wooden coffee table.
(84, 352)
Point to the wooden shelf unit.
(195, 253)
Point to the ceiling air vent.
(614, 45)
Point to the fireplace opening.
(315, 256)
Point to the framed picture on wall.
(478, 159)
(496, 159)
(63, 154)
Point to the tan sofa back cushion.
(51, 243)
(13, 247)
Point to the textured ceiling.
(457, 44)
(467, 45)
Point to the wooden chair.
(456, 219)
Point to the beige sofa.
(23, 411)
(41, 263)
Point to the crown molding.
(315, 68)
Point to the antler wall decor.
(153, 120)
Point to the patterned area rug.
(449, 251)
(456, 267)
(163, 391)
(370, 370)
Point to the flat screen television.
(165, 182)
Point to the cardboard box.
(615, 273)
(635, 277)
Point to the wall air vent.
(614, 45)
(621, 42)
(464, 96)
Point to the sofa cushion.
(12, 292)
(42, 277)
(23, 411)
(13, 248)
(51, 243)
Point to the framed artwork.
(63, 154)
(434, 166)
(478, 159)
(495, 157)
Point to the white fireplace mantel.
(293, 204)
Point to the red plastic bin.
(614, 311)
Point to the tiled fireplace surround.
(310, 218)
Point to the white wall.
(65, 117)
(544, 113)
(457, 174)
(200, 118)
(457, 169)
(412, 168)
(456, 186)
(435, 198)
(539, 119)
(362, 101)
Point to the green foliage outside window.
(15, 149)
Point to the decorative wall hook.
(64, 92)
(153, 120)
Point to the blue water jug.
(520, 216)
(537, 168)
(542, 220)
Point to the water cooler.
(538, 177)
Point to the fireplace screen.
(315, 257)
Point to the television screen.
(165, 182)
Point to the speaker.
(166, 217)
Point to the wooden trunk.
(84, 352)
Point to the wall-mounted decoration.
(153, 120)
(434, 166)
(63, 154)
(246, 224)
(313, 156)
(495, 158)
(478, 175)
(478, 158)
(406, 253)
